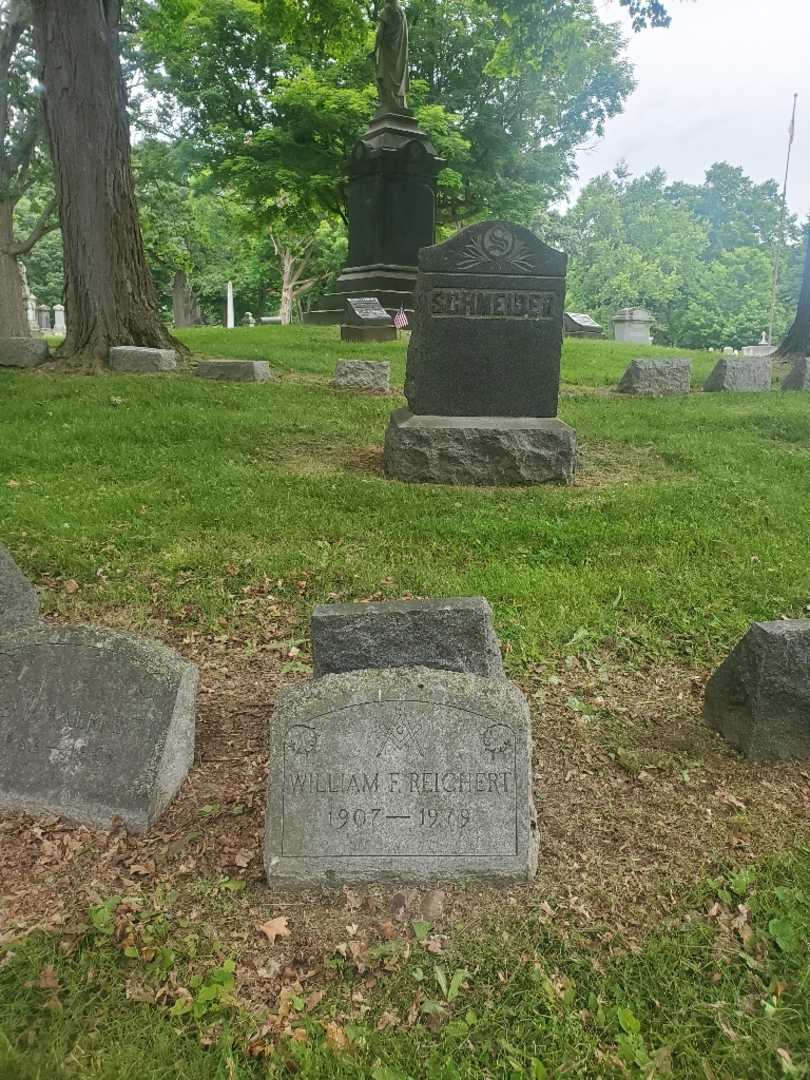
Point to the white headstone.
(59, 319)
(229, 320)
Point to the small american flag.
(401, 320)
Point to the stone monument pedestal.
(481, 450)
(367, 333)
(392, 214)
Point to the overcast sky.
(717, 85)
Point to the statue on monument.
(391, 57)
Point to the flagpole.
(781, 238)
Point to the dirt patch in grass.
(610, 464)
(637, 799)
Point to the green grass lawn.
(169, 503)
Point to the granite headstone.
(657, 378)
(488, 325)
(404, 776)
(23, 352)
(759, 697)
(95, 724)
(452, 635)
(740, 376)
(371, 375)
(798, 378)
(234, 370)
(142, 361)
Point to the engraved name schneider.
(492, 304)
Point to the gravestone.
(247, 319)
(655, 378)
(759, 697)
(371, 375)
(44, 318)
(741, 376)
(483, 373)
(140, 361)
(798, 378)
(94, 724)
(234, 370)
(400, 776)
(19, 603)
(451, 635)
(59, 326)
(23, 352)
(576, 324)
(367, 320)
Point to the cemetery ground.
(666, 932)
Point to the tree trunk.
(797, 340)
(13, 316)
(109, 295)
(287, 288)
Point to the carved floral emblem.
(498, 739)
(498, 244)
(302, 739)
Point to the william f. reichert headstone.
(94, 724)
(400, 776)
(483, 373)
(759, 697)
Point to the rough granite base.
(368, 333)
(740, 376)
(409, 776)
(481, 450)
(759, 697)
(370, 375)
(234, 370)
(23, 352)
(656, 378)
(138, 361)
(453, 634)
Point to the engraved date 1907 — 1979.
(429, 817)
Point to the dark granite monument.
(392, 189)
(483, 374)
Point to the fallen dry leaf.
(336, 1036)
(275, 928)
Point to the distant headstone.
(483, 374)
(759, 698)
(23, 352)
(405, 776)
(140, 361)
(95, 724)
(366, 311)
(633, 325)
(270, 320)
(451, 635)
(234, 370)
(575, 324)
(44, 318)
(229, 314)
(740, 376)
(504, 451)
(247, 319)
(59, 326)
(372, 375)
(19, 603)
(763, 349)
(798, 378)
(728, 350)
(367, 320)
(652, 378)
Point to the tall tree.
(109, 295)
(22, 162)
(797, 339)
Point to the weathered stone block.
(139, 361)
(495, 450)
(372, 375)
(798, 378)
(450, 635)
(651, 378)
(405, 776)
(94, 724)
(19, 603)
(759, 697)
(234, 370)
(740, 376)
(23, 352)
